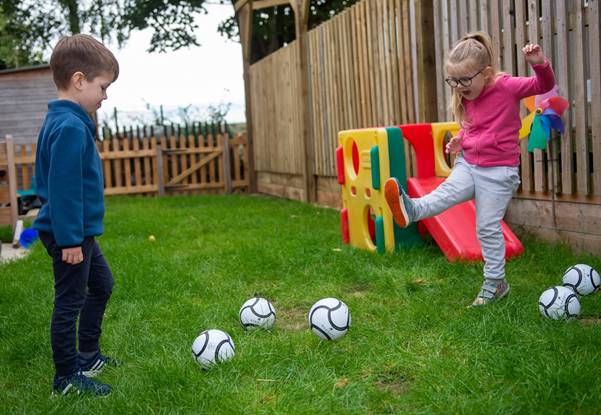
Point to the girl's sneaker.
(78, 383)
(490, 292)
(396, 203)
(92, 367)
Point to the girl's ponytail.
(486, 41)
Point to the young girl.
(486, 104)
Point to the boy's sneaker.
(93, 366)
(491, 292)
(392, 193)
(78, 383)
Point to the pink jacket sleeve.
(542, 81)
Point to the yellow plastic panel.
(358, 195)
(439, 130)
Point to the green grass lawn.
(413, 347)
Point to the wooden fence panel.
(582, 148)
(212, 175)
(563, 81)
(360, 74)
(137, 163)
(24, 165)
(594, 54)
(275, 96)
(184, 159)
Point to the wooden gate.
(190, 165)
(164, 165)
(174, 164)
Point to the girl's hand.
(454, 145)
(534, 54)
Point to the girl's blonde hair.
(473, 52)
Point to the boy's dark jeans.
(82, 291)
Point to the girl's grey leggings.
(492, 189)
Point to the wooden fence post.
(426, 61)
(12, 181)
(227, 168)
(244, 16)
(161, 176)
(301, 19)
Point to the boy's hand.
(534, 54)
(454, 145)
(73, 256)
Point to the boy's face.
(93, 92)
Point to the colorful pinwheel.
(545, 116)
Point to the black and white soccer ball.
(213, 346)
(257, 313)
(329, 318)
(582, 278)
(559, 303)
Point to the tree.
(274, 27)
(28, 27)
(17, 47)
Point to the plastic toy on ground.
(366, 158)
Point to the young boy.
(69, 182)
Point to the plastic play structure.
(366, 158)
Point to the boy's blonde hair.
(81, 53)
(473, 52)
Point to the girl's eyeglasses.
(466, 81)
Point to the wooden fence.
(173, 164)
(364, 69)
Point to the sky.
(199, 76)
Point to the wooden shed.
(24, 96)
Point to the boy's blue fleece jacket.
(68, 174)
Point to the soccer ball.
(329, 318)
(213, 346)
(257, 313)
(559, 303)
(582, 278)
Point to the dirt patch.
(292, 319)
(590, 321)
(358, 290)
(391, 379)
(394, 385)
(267, 399)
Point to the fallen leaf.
(341, 383)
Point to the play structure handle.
(344, 229)
(374, 154)
(340, 164)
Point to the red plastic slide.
(454, 230)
